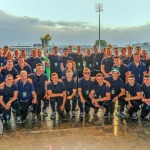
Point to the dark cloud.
(27, 30)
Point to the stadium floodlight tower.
(99, 9)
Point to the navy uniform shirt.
(39, 82)
(2, 79)
(13, 72)
(97, 58)
(72, 55)
(108, 63)
(89, 62)
(27, 68)
(65, 59)
(133, 89)
(25, 91)
(59, 88)
(33, 62)
(100, 90)
(123, 70)
(138, 71)
(116, 86)
(55, 62)
(146, 90)
(128, 60)
(86, 86)
(79, 61)
(2, 60)
(69, 85)
(8, 92)
(75, 73)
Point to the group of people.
(93, 80)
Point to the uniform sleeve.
(15, 87)
(103, 62)
(32, 87)
(63, 87)
(107, 89)
(80, 84)
(46, 78)
(130, 67)
(64, 73)
(126, 68)
(16, 72)
(29, 70)
(74, 85)
(138, 88)
(1, 92)
(142, 88)
(49, 86)
(144, 68)
(121, 84)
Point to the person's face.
(130, 51)
(10, 64)
(115, 74)
(66, 52)
(69, 75)
(99, 79)
(123, 51)
(21, 61)
(144, 53)
(33, 53)
(131, 81)
(70, 49)
(117, 61)
(23, 54)
(9, 54)
(86, 74)
(6, 49)
(116, 52)
(137, 58)
(23, 76)
(146, 80)
(55, 50)
(39, 69)
(109, 52)
(78, 49)
(16, 53)
(69, 66)
(88, 52)
(138, 50)
(55, 78)
(95, 49)
(9, 80)
(39, 53)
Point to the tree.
(103, 43)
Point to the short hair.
(86, 69)
(69, 71)
(8, 61)
(20, 57)
(5, 47)
(131, 76)
(39, 64)
(54, 74)
(129, 47)
(146, 76)
(9, 75)
(65, 49)
(23, 71)
(55, 47)
(138, 47)
(135, 54)
(117, 57)
(99, 75)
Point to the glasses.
(86, 72)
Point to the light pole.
(99, 8)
